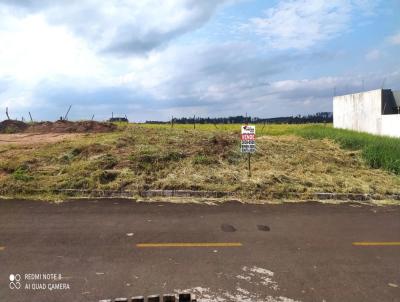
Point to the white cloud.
(395, 39)
(373, 55)
(123, 26)
(300, 24)
(61, 42)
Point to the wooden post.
(249, 164)
(8, 117)
(30, 115)
(66, 115)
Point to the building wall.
(359, 111)
(363, 112)
(391, 125)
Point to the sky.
(153, 59)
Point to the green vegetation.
(378, 151)
(300, 159)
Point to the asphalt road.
(91, 250)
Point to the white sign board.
(248, 139)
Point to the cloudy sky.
(152, 59)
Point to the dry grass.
(34, 138)
(140, 158)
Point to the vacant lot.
(34, 138)
(141, 157)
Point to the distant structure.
(118, 119)
(375, 112)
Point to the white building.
(376, 112)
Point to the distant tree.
(320, 117)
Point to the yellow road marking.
(392, 243)
(190, 244)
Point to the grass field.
(290, 158)
(377, 151)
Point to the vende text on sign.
(248, 139)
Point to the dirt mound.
(71, 127)
(12, 126)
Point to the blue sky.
(184, 57)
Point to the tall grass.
(378, 151)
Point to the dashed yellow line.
(189, 244)
(388, 243)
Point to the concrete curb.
(217, 194)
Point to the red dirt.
(11, 126)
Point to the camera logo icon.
(15, 281)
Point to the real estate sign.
(248, 139)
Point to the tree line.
(320, 117)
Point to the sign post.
(248, 142)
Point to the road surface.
(89, 250)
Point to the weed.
(22, 174)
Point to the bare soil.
(13, 126)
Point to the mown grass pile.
(141, 157)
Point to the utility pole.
(194, 122)
(92, 117)
(30, 115)
(8, 117)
